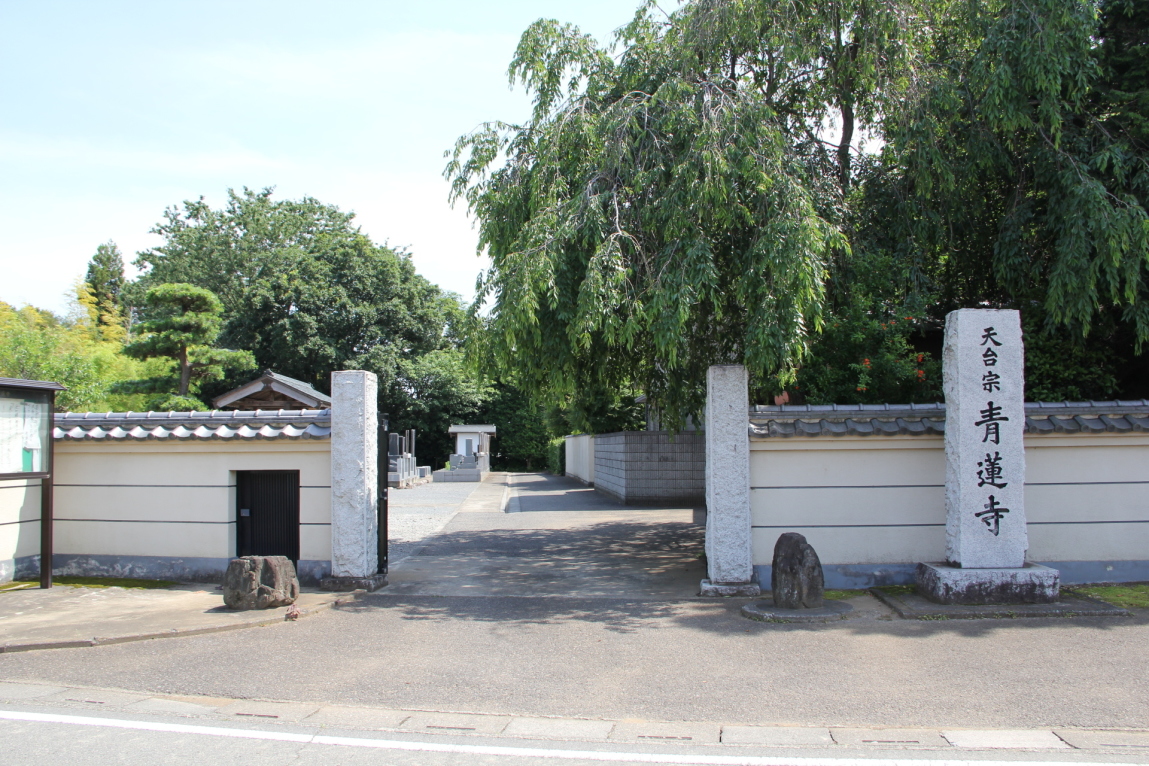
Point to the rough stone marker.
(986, 538)
(797, 585)
(260, 582)
(796, 579)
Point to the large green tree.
(302, 288)
(430, 393)
(678, 205)
(307, 293)
(701, 197)
(1016, 177)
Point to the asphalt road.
(656, 658)
(661, 660)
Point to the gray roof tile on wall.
(187, 426)
(770, 421)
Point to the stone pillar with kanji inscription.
(983, 375)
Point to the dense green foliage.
(302, 288)
(864, 358)
(307, 293)
(431, 393)
(683, 201)
(803, 186)
(72, 351)
(520, 444)
(557, 456)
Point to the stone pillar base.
(1029, 584)
(341, 584)
(729, 589)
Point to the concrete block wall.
(640, 467)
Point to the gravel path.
(418, 513)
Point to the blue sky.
(112, 111)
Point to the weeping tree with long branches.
(676, 205)
(696, 194)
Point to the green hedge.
(557, 456)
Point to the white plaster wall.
(1078, 489)
(881, 499)
(580, 457)
(19, 522)
(120, 498)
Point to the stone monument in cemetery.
(986, 538)
(471, 460)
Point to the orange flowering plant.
(867, 358)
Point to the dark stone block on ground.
(260, 582)
(796, 579)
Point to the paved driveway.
(558, 538)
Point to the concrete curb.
(179, 632)
(911, 606)
(506, 495)
(733, 738)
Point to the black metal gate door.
(267, 513)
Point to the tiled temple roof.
(188, 426)
(768, 421)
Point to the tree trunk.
(844, 145)
(185, 373)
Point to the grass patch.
(93, 582)
(1129, 595)
(841, 595)
(898, 590)
(17, 585)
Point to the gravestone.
(260, 582)
(796, 579)
(986, 538)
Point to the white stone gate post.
(354, 482)
(986, 536)
(729, 559)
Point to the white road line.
(521, 752)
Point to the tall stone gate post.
(729, 559)
(354, 482)
(986, 534)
